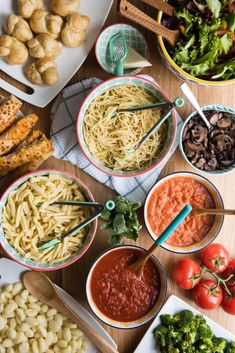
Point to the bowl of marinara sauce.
(168, 197)
(121, 298)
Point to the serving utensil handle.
(192, 99)
(133, 13)
(174, 224)
(160, 5)
(59, 304)
(214, 211)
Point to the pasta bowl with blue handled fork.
(29, 216)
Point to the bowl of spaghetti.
(107, 138)
(29, 218)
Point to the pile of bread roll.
(40, 34)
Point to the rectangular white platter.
(11, 272)
(172, 306)
(69, 60)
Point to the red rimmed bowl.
(154, 89)
(111, 295)
(13, 254)
(212, 231)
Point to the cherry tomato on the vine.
(215, 257)
(207, 294)
(186, 273)
(230, 270)
(228, 302)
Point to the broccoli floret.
(204, 331)
(219, 344)
(169, 319)
(161, 333)
(230, 348)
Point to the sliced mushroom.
(200, 163)
(224, 123)
(215, 118)
(195, 148)
(213, 163)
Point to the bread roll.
(42, 22)
(12, 50)
(18, 28)
(42, 72)
(27, 7)
(64, 7)
(43, 45)
(74, 32)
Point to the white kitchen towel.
(63, 134)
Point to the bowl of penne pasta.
(30, 217)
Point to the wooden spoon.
(40, 286)
(139, 264)
(133, 13)
(213, 211)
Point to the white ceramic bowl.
(132, 324)
(210, 107)
(156, 91)
(11, 252)
(214, 230)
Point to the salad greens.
(187, 333)
(122, 221)
(207, 45)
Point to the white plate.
(11, 272)
(68, 62)
(172, 306)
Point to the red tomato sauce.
(121, 294)
(169, 199)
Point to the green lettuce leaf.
(231, 21)
(214, 6)
(226, 43)
(225, 71)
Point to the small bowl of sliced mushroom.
(211, 152)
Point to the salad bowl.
(209, 57)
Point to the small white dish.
(11, 272)
(172, 306)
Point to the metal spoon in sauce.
(40, 286)
(192, 99)
(139, 264)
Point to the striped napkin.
(63, 134)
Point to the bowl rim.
(89, 194)
(181, 71)
(146, 206)
(134, 72)
(190, 116)
(92, 266)
(109, 172)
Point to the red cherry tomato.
(207, 294)
(228, 302)
(215, 257)
(186, 273)
(230, 270)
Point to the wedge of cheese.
(134, 60)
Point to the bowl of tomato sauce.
(167, 198)
(121, 298)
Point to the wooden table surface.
(73, 278)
